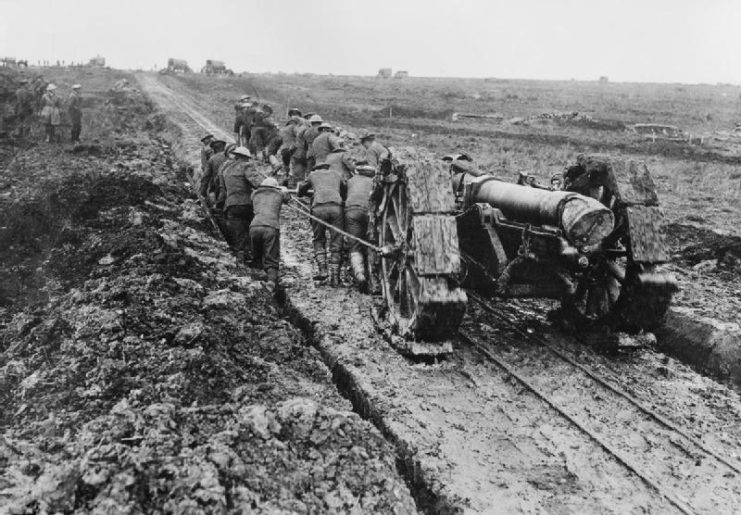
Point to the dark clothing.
(329, 187)
(341, 163)
(74, 110)
(267, 202)
(210, 179)
(324, 144)
(265, 242)
(236, 184)
(331, 214)
(206, 154)
(23, 102)
(238, 219)
(356, 223)
(359, 189)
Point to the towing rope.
(331, 227)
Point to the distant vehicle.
(214, 67)
(97, 62)
(384, 73)
(8, 62)
(401, 74)
(177, 66)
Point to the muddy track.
(472, 438)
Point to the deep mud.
(140, 370)
(473, 439)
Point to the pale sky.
(626, 40)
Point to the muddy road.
(521, 418)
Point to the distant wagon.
(214, 67)
(97, 62)
(178, 66)
(401, 74)
(8, 62)
(384, 73)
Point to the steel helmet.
(242, 151)
(76, 86)
(316, 119)
(270, 181)
(51, 87)
(325, 125)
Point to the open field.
(142, 371)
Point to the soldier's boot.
(240, 257)
(321, 267)
(334, 274)
(358, 269)
(272, 278)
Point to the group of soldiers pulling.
(33, 97)
(336, 168)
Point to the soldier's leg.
(258, 247)
(238, 223)
(356, 223)
(336, 219)
(271, 260)
(319, 241)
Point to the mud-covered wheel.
(399, 281)
(416, 225)
(620, 293)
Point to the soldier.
(341, 162)
(357, 204)
(375, 153)
(50, 112)
(23, 107)
(265, 227)
(298, 158)
(263, 130)
(288, 138)
(325, 143)
(308, 137)
(238, 107)
(210, 178)
(74, 109)
(248, 120)
(329, 190)
(236, 184)
(206, 151)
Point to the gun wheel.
(423, 305)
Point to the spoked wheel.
(399, 279)
(424, 305)
(619, 294)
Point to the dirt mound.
(695, 245)
(141, 370)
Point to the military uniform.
(375, 154)
(236, 184)
(74, 110)
(298, 158)
(324, 144)
(50, 114)
(267, 201)
(341, 162)
(329, 190)
(357, 204)
(288, 143)
(210, 178)
(309, 135)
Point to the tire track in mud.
(468, 438)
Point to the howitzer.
(595, 245)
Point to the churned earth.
(654, 436)
(140, 369)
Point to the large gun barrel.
(584, 220)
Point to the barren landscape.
(142, 371)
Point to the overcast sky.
(627, 40)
